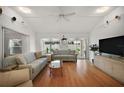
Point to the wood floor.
(80, 74)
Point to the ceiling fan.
(62, 15)
(65, 16)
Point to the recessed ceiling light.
(25, 10)
(102, 9)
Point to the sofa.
(15, 78)
(34, 61)
(64, 55)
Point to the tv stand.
(113, 66)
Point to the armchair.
(15, 78)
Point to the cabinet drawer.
(99, 64)
(108, 67)
(118, 71)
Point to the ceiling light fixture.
(63, 38)
(115, 18)
(102, 9)
(25, 10)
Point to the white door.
(82, 49)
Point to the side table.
(49, 57)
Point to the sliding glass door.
(79, 46)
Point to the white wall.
(5, 20)
(24, 28)
(102, 30)
(0, 47)
(32, 41)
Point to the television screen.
(114, 45)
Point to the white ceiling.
(45, 18)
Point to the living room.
(36, 39)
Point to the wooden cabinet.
(111, 66)
(118, 71)
(108, 67)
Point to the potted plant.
(78, 50)
(47, 50)
(94, 48)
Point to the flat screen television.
(114, 45)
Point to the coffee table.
(56, 65)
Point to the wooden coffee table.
(56, 65)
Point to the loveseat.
(64, 55)
(34, 61)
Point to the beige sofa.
(65, 55)
(15, 78)
(35, 63)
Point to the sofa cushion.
(41, 59)
(30, 57)
(38, 55)
(9, 68)
(21, 60)
(64, 56)
(37, 64)
(9, 61)
(72, 52)
(64, 52)
(26, 84)
(55, 52)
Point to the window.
(15, 46)
(48, 45)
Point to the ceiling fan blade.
(58, 19)
(54, 15)
(89, 16)
(70, 14)
(60, 9)
(66, 18)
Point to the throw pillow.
(38, 55)
(9, 61)
(21, 60)
(72, 52)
